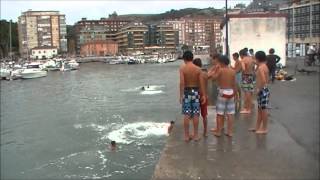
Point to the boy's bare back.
(191, 75)
(248, 65)
(226, 78)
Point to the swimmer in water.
(170, 127)
(113, 145)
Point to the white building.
(259, 31)
(44, 52)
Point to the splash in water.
(129, 133)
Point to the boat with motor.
(33, 70)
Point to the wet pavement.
(289, 151)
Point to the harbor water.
(60, 126)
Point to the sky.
(95, 9)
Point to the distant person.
(238, 69)
(246, 50)
(203, 107)
(113, 145)
(311, 54)
(251, 52)
(191, 84)
(248, 64)
(226, 79)
(170, 127)
(263, 93)
(272, 61)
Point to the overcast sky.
(76, 9)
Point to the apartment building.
(198, 31)
(104, 29)
(41, 29)
(303, 26)
(132, 38)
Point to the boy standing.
(191, 84)
(247, 80)
(262, 93)
(203, 107)
(226, 79)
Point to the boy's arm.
(243, 66)
(202, 88)
(181, 88)
(277, 58)
(214, 74)
(234, 86)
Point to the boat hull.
(32, 75)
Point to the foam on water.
(151, 92)
(147, 88)
(130, 132)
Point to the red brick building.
(99, 48)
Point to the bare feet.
(228, 134)
(261, 132)
(252, 129)
(245, 112)
(196, 138)
(187, 138)
(205, 134)
(216, 133)
(214, 130)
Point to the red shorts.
(204, 109)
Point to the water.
(60, 126)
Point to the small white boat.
(73, 64)
(33, 70)
(4, 72)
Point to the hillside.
(175, 14)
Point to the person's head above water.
(172, 122)
(197, 62)
(113, 143)
(223, 60)
(187, 56)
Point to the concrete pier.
(289, 151)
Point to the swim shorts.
(191, 101)
(247, 82)
(225, 102)
(263, 98)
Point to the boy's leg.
(195, 127)
(230, 125)
(219, 122)
(205, 125)
(264, 122)
(186, 127)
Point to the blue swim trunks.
(191, 101)
(263, 98)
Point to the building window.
(54, 51)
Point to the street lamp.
(227, 38)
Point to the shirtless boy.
(247, 80)
(226, 80)
(203, 107)
(191, 84)
(263, 93)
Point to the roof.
(257, 15)
(44, 47)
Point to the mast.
(10, 40)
